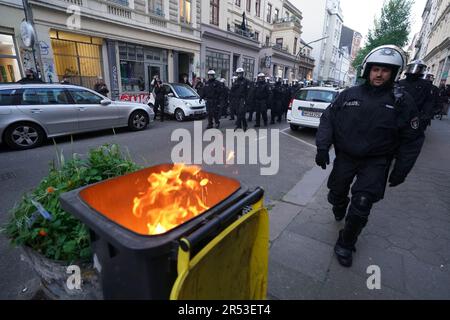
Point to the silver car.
(30, 113)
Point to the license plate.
(312, 114)
(198, 112)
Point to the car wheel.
(294, 127)
(24, 135)
(179, 115)
(138, 120)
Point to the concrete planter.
(53, 275)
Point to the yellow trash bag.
(232, 266)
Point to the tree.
(392, 27)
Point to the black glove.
(322, 158)
(395, 180)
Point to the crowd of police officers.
(246, 97)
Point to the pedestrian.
(241, 92)
(101, 87)
(160, 97)
(211, 93)
(262, 97)
(199, 86)
(278, 96)
(422, 91)
(30, 77)
(185, 80)
(233, 99)
(369, 126)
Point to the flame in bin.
(173, 197)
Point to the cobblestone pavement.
(407, 236)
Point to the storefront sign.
(135, 97)
(27, 34)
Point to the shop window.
(248, 64)
(219, 62)
(78, 59)
(9, 64)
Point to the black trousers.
(233, 108)
(241, 122)
(213, 110)
(159, 105)
(369, 186)
(275, 112)
(261, 110)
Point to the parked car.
(30, 113)
(182, 102)
(306, 108)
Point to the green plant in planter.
(60, 236)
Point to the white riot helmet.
(211, 74)
(387, 55)
(295, 82)
(223, 80)
(240, 72)
(267, 79)
(285, 81)
(417, 67)
(428, 76)
(261, 76)
(233, 79)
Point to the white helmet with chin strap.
(387, 55)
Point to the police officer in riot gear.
(294, 88)
(241, 92)
(277, 104)
(262, 96)
(232, 98)
(286, 97)
(211, 92)
(223, 101)
(421, 90)
(251, 100)
(369, 125)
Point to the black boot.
(339, 212)
(344, 251)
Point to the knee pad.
(336, 200)
(360, 206)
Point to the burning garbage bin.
(154, 232)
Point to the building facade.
(433, 41)
(14, 56)
(322, 24)
(257, 35)
(125, 42)
(351, 40)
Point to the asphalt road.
(21, 171)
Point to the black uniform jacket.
(365, 121)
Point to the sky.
(359, 14)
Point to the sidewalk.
(407, 236)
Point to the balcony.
(287, 23)
(306, 60)
(243, 33)
(277, 46)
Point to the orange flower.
(42, 233)
(50, 189)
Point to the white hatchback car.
(182, 102)
(306, 108)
